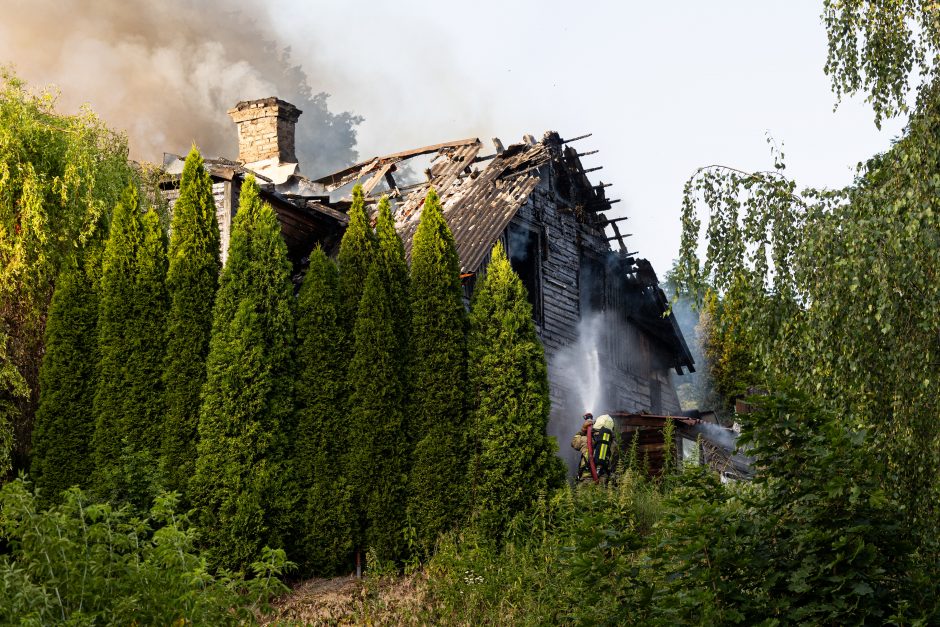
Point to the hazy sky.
(665, 87)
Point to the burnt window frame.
(533, 258)
(595, 259)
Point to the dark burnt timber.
(306, 220)
(713, 445)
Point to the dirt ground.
(348, 601)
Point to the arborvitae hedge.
(131, 343)
(515, 460)
(192, 280)
(356, 254)
(379, 451)
(390, 254)
(438, 491)
(243, 484)
(323, 537)
(64, 421)
(145, 409)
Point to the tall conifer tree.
(131, 343)
(356, 254)
(145, 409)
(64, 421)
(192, 280)
(378, 461)
(515, 460)
(243, 484)
(320, 445)
(390, 253)
(439, 380)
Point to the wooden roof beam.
(574, 139)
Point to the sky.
(665, 87)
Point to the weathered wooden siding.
(225, 206)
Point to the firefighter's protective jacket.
(580, 443)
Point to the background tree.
(356, 253)
(242, 486)
(838, 293)
(515, 460)
(65, 424)
(192, 280)
(878, 48)
(380, 454)
(60, 177)
(131, 343)
(726, 346)
(323, 435)
(438, 489)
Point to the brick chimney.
(265, 130)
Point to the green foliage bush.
(322, 441)
(87, 563)
(61, 455)
(128, 403)
(514, 460)
(60, 175)
(390, 257)
(192, 279)
(380, 457)
(438, 493)
(569, 559)
(243, 483)
(357, 252)
(814, 540)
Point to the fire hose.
(590, 453)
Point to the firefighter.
(595, 441)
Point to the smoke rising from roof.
(166, 72)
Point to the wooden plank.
(376, 178)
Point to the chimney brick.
(265, 129)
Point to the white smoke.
(726, 438)
(580, 364)
(577, 368)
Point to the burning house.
(535, 197)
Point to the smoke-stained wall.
(166, 72)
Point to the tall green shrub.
(64, 421)
(390, 256)
(242, 486)
(356, 253)
(323, 436)
(60, 175)
(379, 456)
(192, 280)
(145, 410)
(131, 343)
(515, 460)
(438, 492)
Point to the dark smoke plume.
(167, 71)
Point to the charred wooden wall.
(633, 373)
